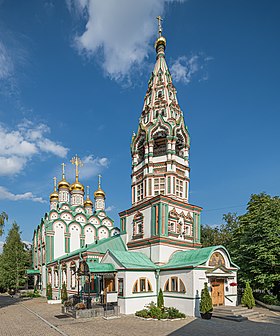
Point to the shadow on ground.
(219, 327)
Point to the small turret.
(63, 187)
(99, 196)
(76, 188)
(54, 196)
(88, 204)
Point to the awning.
(32, 272)
(95, 267)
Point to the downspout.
(157, 280)
(59, 279)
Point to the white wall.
(59, 241)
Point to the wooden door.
(218, 294)
(109, 285)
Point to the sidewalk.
(16, 320)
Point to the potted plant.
(49, 291)
(248, 298)
(206, 306)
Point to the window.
(179, 147)
(142, 285)
(159, 186)
(56, 277)
(138, 229)
(50, 276)
(179, 188)
(174, 284)
(160, 143)
(139, 192)
(73, 275)
(64, 274)
(120, 287)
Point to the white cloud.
(20, 145)
(6, 63)
(93, 166)
(28, 196)
(184, 68)
(110, 208)
(117, 32)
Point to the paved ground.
(25, 318)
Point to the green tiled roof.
(114, 243)
(193, 258)
(96, 267)
(133, 260)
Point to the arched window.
(141, 148)
(216, 259)
(56, 279)
(174, 284)
(179, 147)
(73, 275)
(142, 285)
(160, 143)
(50, 276)
(138, 229)
(64, 274)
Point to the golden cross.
(159, 26)
(99, 181)
(54, 183)
(77, 162)
(87, 191)
(63, 170)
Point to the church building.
(158, 243)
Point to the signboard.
(111, 297)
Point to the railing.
(228, 298)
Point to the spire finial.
(54, 184)
(77, 162)
(159, 26)
(63, 171)
(99, 181)
(87, 192)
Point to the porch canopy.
(95, 267)
(32, 272)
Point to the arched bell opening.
(160, 143)
(179, 147)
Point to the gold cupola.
(88, 202)
(54, 194)
(160, 43)
(63, 184)
(99, 192)
(77, 185)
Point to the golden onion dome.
(160, 41)
(77, 186)
(63, 184)
(54, 196)
(99, 193)
(88, 203)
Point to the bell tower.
(161, 219)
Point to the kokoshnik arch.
(158, 243)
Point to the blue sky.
(73, 75)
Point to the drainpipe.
(157, 280)
(59, 279)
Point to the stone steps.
(238, 314)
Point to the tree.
(247, 297)
(210, 236)
(160, 300)
(64, 296)
(3, 219)
(206, 305)
(256, 244)
(49, 291)
(14, 260)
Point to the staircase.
(237, 314)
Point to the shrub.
(248, 298)
(49, 291)
(174, 313)
(155, 312)
(206, 300)
(64, 295)
(142, 313)
(160, 300)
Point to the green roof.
(111, 243)
(114, 243)
(32, 272)
(133, 260)
(193, 258)
(96, 267)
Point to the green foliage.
(160, 299)
(253, 241)
(247, 297)
(14, 260)
(205, 300)
(267, 298)
(64, 295)
(49, 291)
(3, 219)
(152, 311)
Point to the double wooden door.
(218, 294)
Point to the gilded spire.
(63, 170)
(54, 194)
(99, 181)
(54, 183)
(77, 162)
(99, 192)
(159, 26)
(87, 192)
(63, 183)
(161, 41)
